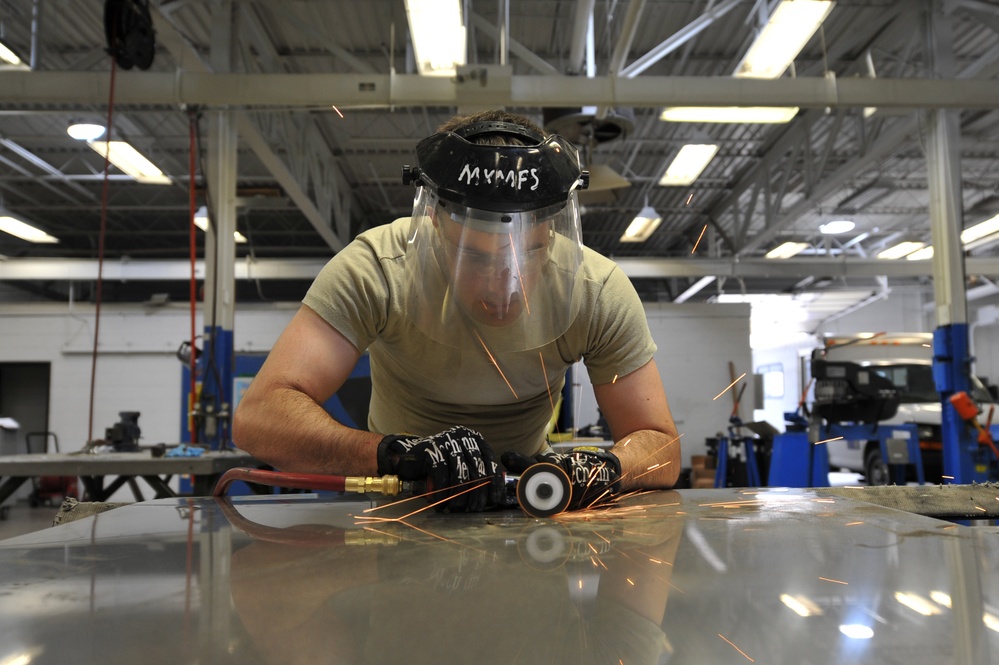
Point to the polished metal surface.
(695, 576)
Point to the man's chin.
(497, 318)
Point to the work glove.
(594, 474)
(458, 458)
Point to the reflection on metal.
(693, 576)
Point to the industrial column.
(218, 359)
(951, 359)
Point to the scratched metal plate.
(697, 576)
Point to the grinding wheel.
(544, 490)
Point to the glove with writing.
(459, 459)
(593, 473)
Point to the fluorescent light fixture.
(901, 249)
(694, 289)
(941, 598)
(201, 221)
(131, 161)
(801, 605)
(85, 131)
(917, 603)
(921, 254)
(980, 231)
(438, 35)
(786, 250)
(642, 226)
(730, 114)
(688, 164)
(790, 27)
(837, 226)
(9, 56)
(991, 621)
(16, 227)
(857, 631)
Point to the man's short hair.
(461, 121)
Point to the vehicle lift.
(850, 403)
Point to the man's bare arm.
(280, 419)
(646, 440)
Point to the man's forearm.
(290, 431)
(649, 460)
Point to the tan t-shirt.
(422, 387)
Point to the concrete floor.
(22, 518)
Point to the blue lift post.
(735, 438)
(964, 460)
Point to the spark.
(652, 468)
(853, 523)
(981, 509)
(629, 441)
(699, 237)
(337, 110)
(547, 385)
(947, 477)
(837, 438)
(826, 579)
(629, 581)
(495, 364)
(690, 198)
(516, 263)
(736, 648)
(727, 387)
(614, 380)
(580, 584)
(428, 506)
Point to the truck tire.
(875, 470)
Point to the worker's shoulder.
(599, 268)
(386, 240)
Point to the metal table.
(94, 468)
(695, 576)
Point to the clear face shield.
(504, 281)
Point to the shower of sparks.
(736, 648)
(837, 438)
(337, 110)
(372, 519)
(699, 237)
(495, 364)
(728, 387)
(520, 276)
(826, 579)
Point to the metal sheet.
(695, 576)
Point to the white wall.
(696, 343)
(137, 369)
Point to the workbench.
(724, 576)
(126, 468)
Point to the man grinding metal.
(471, 311)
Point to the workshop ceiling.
(308, 179)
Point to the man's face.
(494, 273)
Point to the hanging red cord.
(100, 253)
(191, 399)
